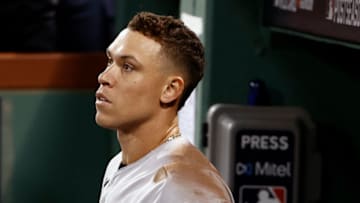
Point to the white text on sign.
(264, 169)
(264, 142)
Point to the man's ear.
(172, 90)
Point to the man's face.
(131, 85)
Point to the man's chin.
(102, 123)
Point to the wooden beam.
(50, 70)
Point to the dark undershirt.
(122, 165)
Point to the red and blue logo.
(262, 194)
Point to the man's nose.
(103, 77)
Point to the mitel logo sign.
(263, 169)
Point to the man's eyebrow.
(127, 57)
(122, 57)
(131, 57)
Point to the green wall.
(126, 9)
(53, 150)
(298, 72)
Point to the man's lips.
(100, 97)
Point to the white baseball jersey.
(173, 172)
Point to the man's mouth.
(100, 97)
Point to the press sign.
(265, 166)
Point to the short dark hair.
(178, 42)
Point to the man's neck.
(136, 144)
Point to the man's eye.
(127, 67)
(110, 61)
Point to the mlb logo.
(262, 194)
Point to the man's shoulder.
(193, 183)
(181, 148)
(188, 172)
(181, 155)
